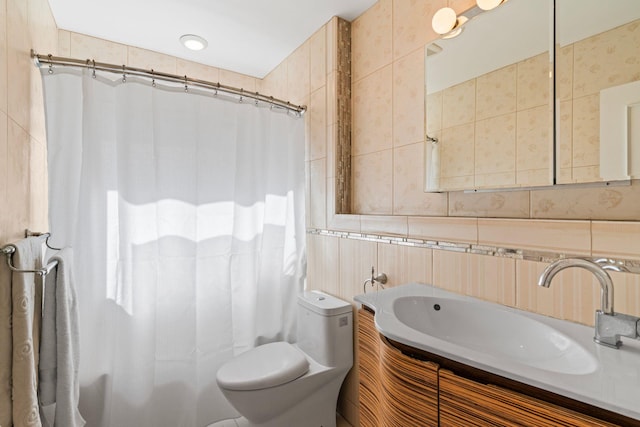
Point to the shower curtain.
(186, 215)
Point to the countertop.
(614, 385)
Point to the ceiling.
(246, 36)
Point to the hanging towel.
(59, 357)
(22, 320)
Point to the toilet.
(282, 384)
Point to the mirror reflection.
(489, 101)
(597, 90)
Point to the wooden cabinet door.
(395, 389)
(466, 403)
(369, 370)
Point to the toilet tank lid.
(265, 366)
(324, 304)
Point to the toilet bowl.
(283, 384)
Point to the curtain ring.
(93, 72)
(50, 64)
(186, 88)
(153, 78)
(241, 96)
(124, 74)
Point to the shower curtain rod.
(50, 60)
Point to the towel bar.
(9, 250)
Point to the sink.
(496, 331)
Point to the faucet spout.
(606, 284)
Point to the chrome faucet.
(610, 326)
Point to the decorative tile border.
(628, 266)
(343, 110)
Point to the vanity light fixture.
(489, 4)
(193, 42)
(447, 23)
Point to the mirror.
(489, 101)
(597, 90)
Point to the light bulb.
(444, 20)
(488, 4)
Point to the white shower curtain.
(186, 215)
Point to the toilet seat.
(265, 366)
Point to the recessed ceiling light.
(193, 42)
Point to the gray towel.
(59, 349)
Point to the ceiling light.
(193, 42)
(488, 4)
(444, 20)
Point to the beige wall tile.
(18, 173)
(197, 71)
(19, 62)
(372, 113)
(5, 209)
(485, 277)
(42, 27)
(147, 59)
(405, 264)
(371, 40)
(534, 139)
(408, 98)
(450, 229)
(574, 293)
(627, 293)
(38, 186)
(456, 151)
(615, 203)
(332, 138)
(534, 82)
(349, 409)
(372, 180)
(298, 75)
(240, 81)
(434, 113)
(616, 239)
(356, 259)
(573, 237)
(461, 5)
(512, 204)
(409, 197)
(459, 104)
(341, 222)
(384, 225)
(64, 43)
(332, 98)
(331, 46)
(495, 147)
(564, 73)
(318, 196)
(606, 60)
(564, 156)
(323, 263)
(586, 131)
(3, 56)
(275, 83)
(317, 120)
(318, 59)
(412, 25)
(97, 49)
(496, 93)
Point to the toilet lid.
(265, 366)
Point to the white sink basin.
(491, 330)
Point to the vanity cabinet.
(395, 389)
(464, 402)
(401, 386)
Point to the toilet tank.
(325, 329)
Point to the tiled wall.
(387, 181)
(493, 130)
(584, 69)
(23, 185)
